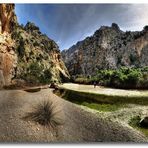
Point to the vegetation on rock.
(28, 54)
(38, 56)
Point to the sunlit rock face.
(8, 63)
(8, 57)
(108, 48)
(7, 18)
(26, 53)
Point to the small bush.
(21, 48)
(85, 80)
(44, 114)
(36, 74)
(82, 80)
(135, 121)
(46, 76)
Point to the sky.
(67, 24)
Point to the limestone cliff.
(8, 18)
(8, 57)
(27, 54)
(108, 48)
(39, 58)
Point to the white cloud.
(138, 17)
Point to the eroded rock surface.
(27, 54)
(8, 18)
(108, 48)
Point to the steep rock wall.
(108, 48)
(27, 54)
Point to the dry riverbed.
(79, 124)
(121, 114)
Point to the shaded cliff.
(27, 54)
(39, 58)
(108, 48)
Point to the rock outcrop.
(8, 18)
(8, 57)
(108, 48)
(39, 58)
(27, 54)
(144, 122)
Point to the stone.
(115, 26)
(144, 122)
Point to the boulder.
(144, 122)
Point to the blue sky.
(69, 23)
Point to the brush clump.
(46, 114)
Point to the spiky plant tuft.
(45, 113)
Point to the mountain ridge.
(107, 48)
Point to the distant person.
(99, 83)
(95, 84)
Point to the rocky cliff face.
(108, 48)
(8, 18)
(8, 57)
(27, 54)
(39, 58)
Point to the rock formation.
(27, 54)
(8, 60)
(7, 18)
(39, 57)
(108, 48)
(8, 57)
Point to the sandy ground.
(103, 90)
(79, 125)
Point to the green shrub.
(21, 48)
(123, 77)
(135, 121)
(37, 74)
(46, 76)
(82, 80)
